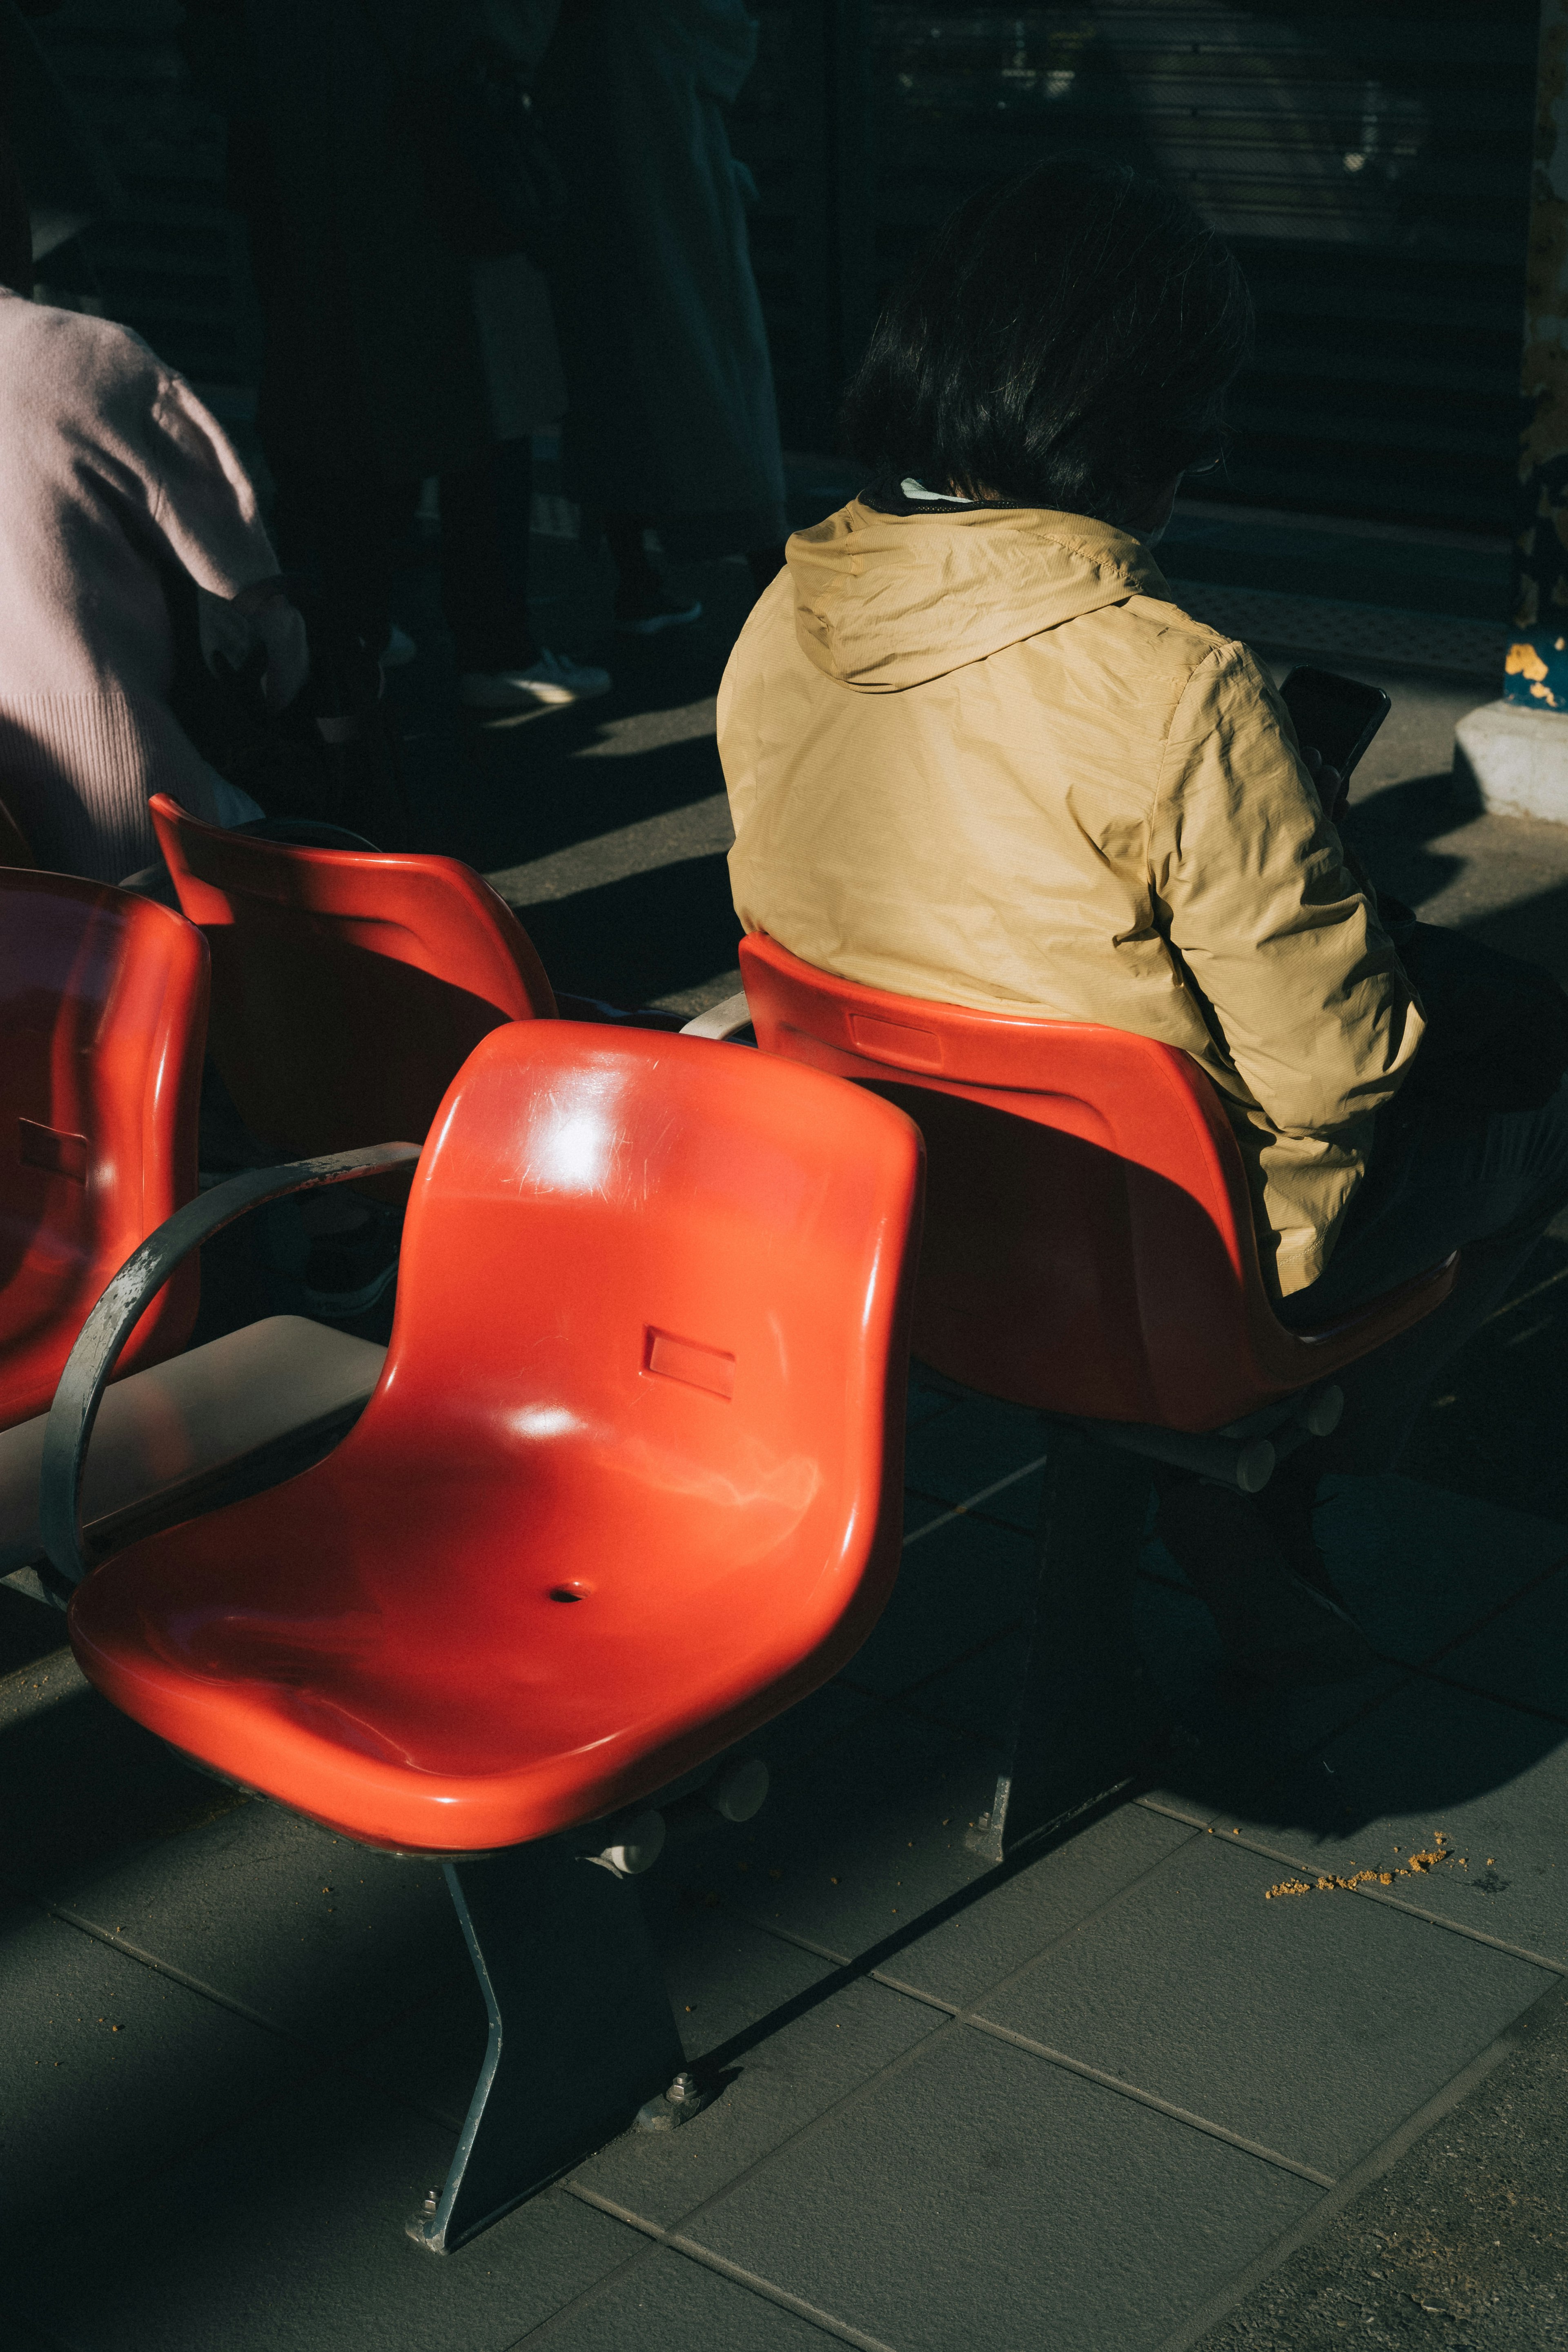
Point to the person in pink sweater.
(110, 467)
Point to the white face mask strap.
(913, 489)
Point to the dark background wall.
(1369, 158)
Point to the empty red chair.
(103, 1003)
(627, 1487)
(1089, 1251)
(348, 986)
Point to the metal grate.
(1369, 160)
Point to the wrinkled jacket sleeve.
(1255, 897)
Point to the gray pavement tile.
(1228, 1726)
(815, 1723)
(960, 1451)
(322, 1937)
(1461, 2242)
(862, 1839)
(978, 1695)
(668, 2303)
(1491, 1778)
(955, 1589)
(286, 2234)
(1523, 1653)
(20, 2337)
(80, 1783)
(960, 1958)
(1313, 2025)
(1418, 1564)
(978, 2195)
(31, 1633)
(108, 2069)
(796, 2069)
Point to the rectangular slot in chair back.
(699, 1367)
(891, 1041)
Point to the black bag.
(1497, 1027)
(492, 184)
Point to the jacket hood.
(884, 601)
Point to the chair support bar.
(103, 1336)
(1245, 1456)
(727, 1019)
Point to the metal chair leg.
(581, 2031)
(1088, 1715)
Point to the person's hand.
(1332, 789)
(280, 626)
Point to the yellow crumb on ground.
(1428, 1859)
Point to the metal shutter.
(1369, 159)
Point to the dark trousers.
(1487, 1183)
(352, 530)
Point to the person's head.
(1066, 342)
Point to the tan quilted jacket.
(982, 756)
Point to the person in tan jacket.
(976, 752)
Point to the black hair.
(1066, 343)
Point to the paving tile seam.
(23, 1697)
(589, 2295)
(1525, 1296)
(1054, 1943)
(694, 2251)
(1498, 1699)
(826, 2116)
(985, 1518)
(1500, 1608)
(334, 2061)
(988, 1882)
(968, 2015)
(1349, 2184)
(1134, 2091)
(1243, 1842)
(68, 1917)
(962, 1658)
(961, 1511)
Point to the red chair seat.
(628, 1485)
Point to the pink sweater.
(108, 461)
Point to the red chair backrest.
(103, 1004)
(349, 986)
(1090, 1245)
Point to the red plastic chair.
(103, 1004)
(349, 987)
(1090, 1246)
(629, 1486)
(1089, 1250)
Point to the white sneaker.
(399, 649)
(645, 617)
(551, 683)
